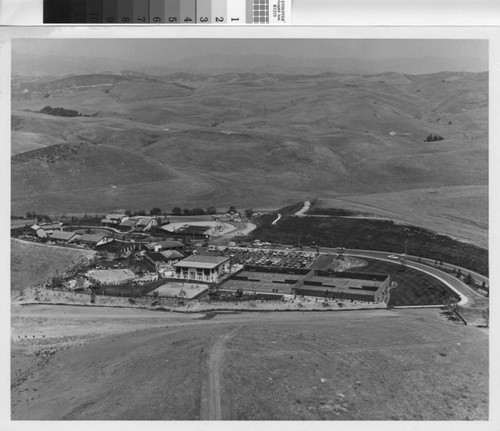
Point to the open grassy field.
(134, 364)
(223, 140)
(32, 263)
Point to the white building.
(202, 268)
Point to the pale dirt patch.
(174, 290)
(302, 212)
(109, 276)
(214, 228)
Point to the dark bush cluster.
(59, 112)
(432, 138)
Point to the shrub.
(432, 138)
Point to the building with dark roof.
(64, 237)
(95, 239)
(127, 224)
(116, 249)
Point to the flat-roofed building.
(359, 286)
(202, 268)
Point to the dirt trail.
(302, 212)
(215, 361)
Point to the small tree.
(232, 210)
(155, 211)
(249, 213)
(211, 210)
(468, 278)
(176, 211)
(197, 211)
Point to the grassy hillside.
(259, 140)
(32, 263)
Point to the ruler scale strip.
(166, 11)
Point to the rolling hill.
(247, 139)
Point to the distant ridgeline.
(59, 112)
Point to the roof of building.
(202, 261)
(165, 244)
(115, 216)
(115, 246)
(172, 254)
(47, 226)
(157, 257)
(64, 236)
(128, 223)
(93, 237)
(144, 221)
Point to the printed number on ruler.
(167, 11)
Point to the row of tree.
(30, 215)
(178, 211)
(155, 211)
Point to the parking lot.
(270, 258)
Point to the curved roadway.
(468, 296)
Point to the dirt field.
(213, 228)
(135, 364)
(32, 263)
(111, 276)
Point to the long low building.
(357, 286)
(367, 287)
(202, 268)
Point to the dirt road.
(215, 368)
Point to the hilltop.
(257, 140)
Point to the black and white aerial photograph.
(230, 229)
